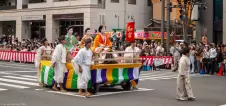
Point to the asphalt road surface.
(18, 87)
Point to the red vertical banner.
(130, 31)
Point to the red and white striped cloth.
(30, 57)
(17, 56)
(150, 60)
(74, 53)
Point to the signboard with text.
(156, 35)
(149, 35)
(130, 36)
(28, 18)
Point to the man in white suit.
(184, 90)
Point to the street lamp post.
(185, 23)
(125, 14)
(168, 27)
(117, 16)
(162, 21)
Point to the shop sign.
(69, 16)
(130, 36)
(141, 35)
(156, 35)
(26, 18)
(6, 18)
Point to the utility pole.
(163, 21)
(118, 22)
(185, 23)
(125, 14)
(168, 28)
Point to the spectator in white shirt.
(175, 50)
(213, 56)
(159, 50)
(205, 59)
(132, 48)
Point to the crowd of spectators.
(13, 44)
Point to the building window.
(37, 1)
(218, 10)
(60, 0)
(101, 4)
(134, 2)
(149, 2)
(115, 1)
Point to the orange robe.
(98, 41)
(82, 44)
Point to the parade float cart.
(102, 74)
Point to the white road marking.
(14, 86)
(18, 64)
(28, 76)
(223, 105)
(157, 73)
(164, 78)
(38, 89)
(1, 89)
(163, 75)
(68, 93)
(111, 93)
(142, 76)
(5, 73)
(101, 94)
(20, 78)
(19, 82)
(9, 74)
(160, 77)
(18, 71)
(17, 67)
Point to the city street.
(18, 87)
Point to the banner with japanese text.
(130, 31)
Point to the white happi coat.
(183, 81)
(38, 58)
(84, 60)
(131, 55)
(59, 58)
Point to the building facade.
(157, 7)
(50, 18)
(224, 22)
(210, 22)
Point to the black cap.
(61, 38)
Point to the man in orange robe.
(102, 39)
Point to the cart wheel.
(127, 86)
(94, 89)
